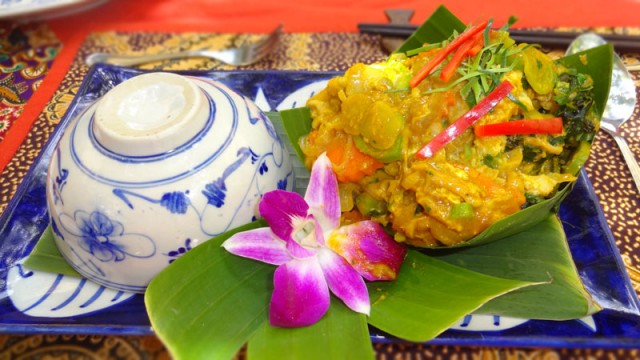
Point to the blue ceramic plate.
(32, 302)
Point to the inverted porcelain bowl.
(157, 166)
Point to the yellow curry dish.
(441, 142)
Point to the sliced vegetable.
(477, 46)
(539, 70)
(465, 121)
(381, 126)
(369, 206)
(462, 211)
(521, 127)
(461, 53)
(392, 154)
(445, 51)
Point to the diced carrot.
(351, 217)
(349, 163)
(450, 98)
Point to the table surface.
(42, 66)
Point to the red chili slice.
(521, 127)
(465, 121)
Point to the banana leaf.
(209, 302)
(45, 256)
(540, 254)
(429, 295)
(439, 26)
(352, 339)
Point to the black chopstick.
(549, 39)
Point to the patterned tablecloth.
(26, 56)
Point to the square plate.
(592, 246)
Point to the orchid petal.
(258, 244)
(300, 295)
(279, 208)
(344, 281)
(322, 194)
(369, 249)
(286, 214)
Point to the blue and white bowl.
(160, 164)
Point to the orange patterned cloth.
(26, 55)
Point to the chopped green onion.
(424, 48)
(462, 211)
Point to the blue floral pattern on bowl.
(126, 211)
(104, 238)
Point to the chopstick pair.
(549, 39)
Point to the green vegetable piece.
(598, 65)
(539, 70)
(392, 154)
(395, 71)
(381, 126)
(462, 211)
(369, 206)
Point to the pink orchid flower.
(314, 254)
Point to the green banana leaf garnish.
(46, 257)
(439, 26)
(209, 302)
(400, 307)
(523, 256)
(318, 341)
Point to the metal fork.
(241, 56)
